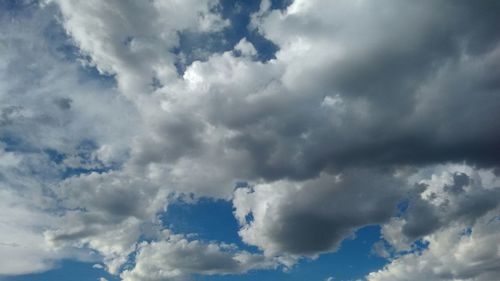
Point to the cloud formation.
(176, 258)
(459, 252)
(311, 217)
(455, 212)
(369, 113)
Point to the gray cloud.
(314, 216)
(361, 97)
(437, 204)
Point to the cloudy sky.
(220, 140)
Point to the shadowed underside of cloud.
(364, 106)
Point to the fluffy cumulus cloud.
(453, 254)
(455, 213)
(176, 257)
(368, 113)
(134, 40)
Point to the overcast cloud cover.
(314, 119)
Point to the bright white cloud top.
(369, 113)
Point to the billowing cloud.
(177, 258)
(459, 252)
(452, 194)
(455, 213)
(134, 40)
(366, 107)
(316, 215)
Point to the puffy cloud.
(28, 208)
(321, 105)
(54, 123)
(459, 252)
(342, 48)
(245, 48)
(456, 215)
(311, 217)
(320, 128)
(108, 213)
(451, 194)
(134, 40)
(236, 118)
(178, 258)
(48, 102)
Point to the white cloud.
(133, 39)
(27, 210)
(320, 130)
(453, 254)
(177, 258)
(245, 48)
(450, 194)
(462, 211)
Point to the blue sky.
(249, 140)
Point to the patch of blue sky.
(402, 206)
(198, 46)
(209, 219)
(12, 143)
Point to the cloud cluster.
(135, 40)
(453, 254)
(456, 194)
(363, 106)
(456, 215)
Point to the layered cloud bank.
(368, 113)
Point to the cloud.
(459, 252)
(52, 117)
(237, 118)
(134, 40)
(452, 194)
(312, 217)
(457, 217)
(47, 101)
(177, 258)
(107, 213)
(100, 130)
(341, 49)
(27, 210)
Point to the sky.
(220, 140)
